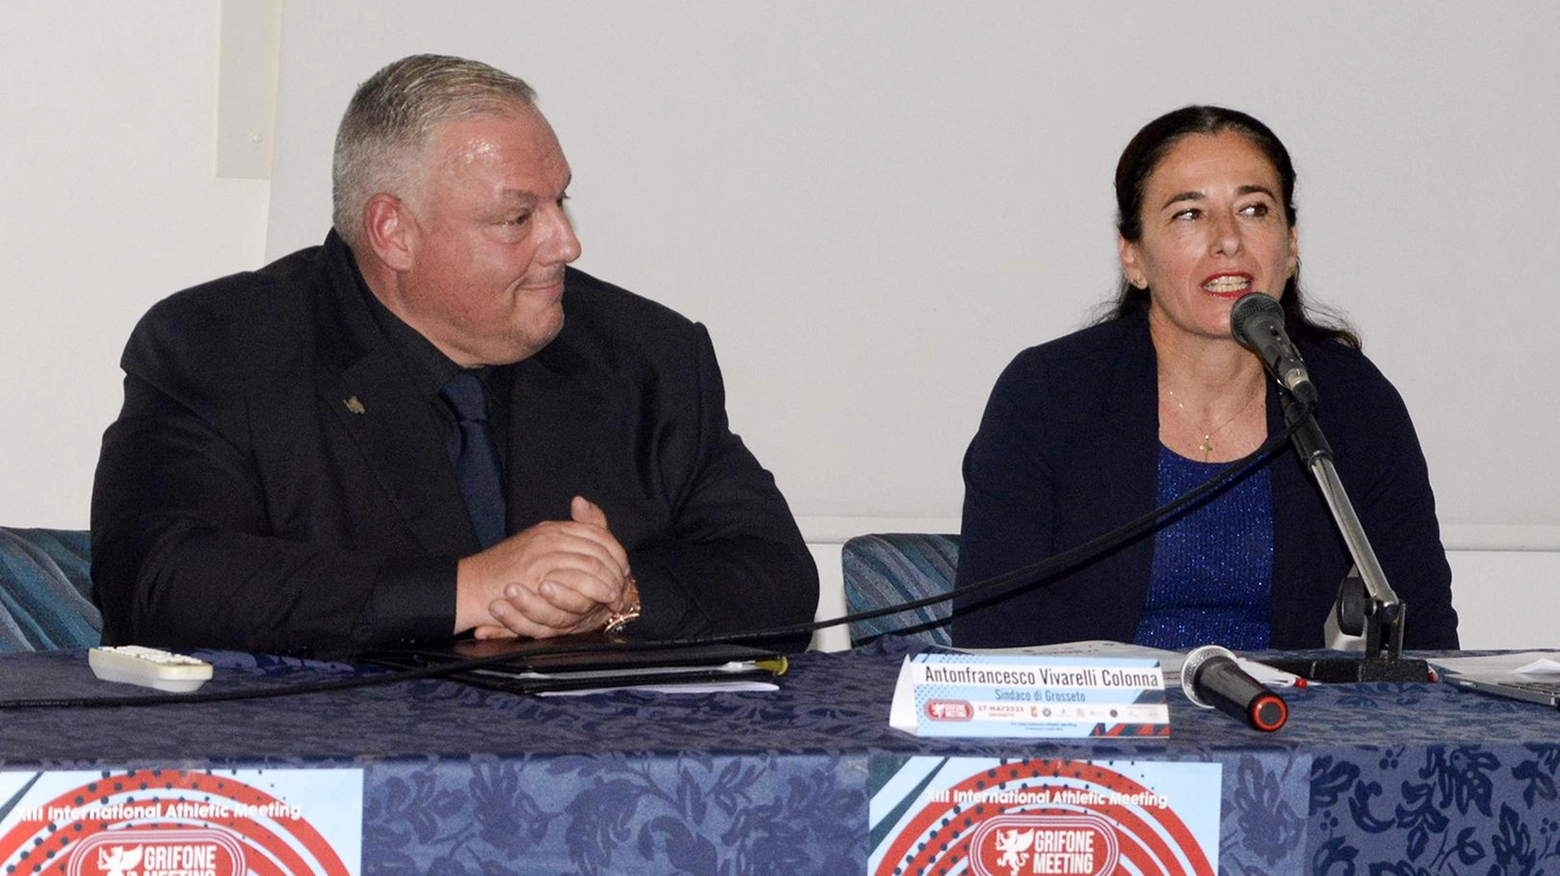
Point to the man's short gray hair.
(391, 117)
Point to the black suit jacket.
(1068, 450)
(272, 483)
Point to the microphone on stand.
(1257, 322)
(1366, 603)
(1212, 679)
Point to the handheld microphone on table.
(1212, 679)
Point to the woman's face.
(1214, 228)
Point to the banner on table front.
(1028, 817)
(299, 822)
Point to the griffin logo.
(118, 861)
(141, 852)
(1011, 845)
(949, 710)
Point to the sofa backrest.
(890, 568)
(46, 590)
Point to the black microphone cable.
(563, 646)
(999, 586)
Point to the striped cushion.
(45, 590)
(891, 568)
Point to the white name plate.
(945, 694)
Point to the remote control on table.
(148, 667)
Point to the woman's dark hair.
(1143, 155)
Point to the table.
(1401, 779)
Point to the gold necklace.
(1207, 441)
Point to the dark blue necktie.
(475, 457)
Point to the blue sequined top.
(1213, 568)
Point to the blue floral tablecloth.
(1400, 779)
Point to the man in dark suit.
(429, 425)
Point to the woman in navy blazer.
(1099, 427)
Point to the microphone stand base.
(1349, 670)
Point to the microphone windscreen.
(1251, 311)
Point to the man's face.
(487, 239)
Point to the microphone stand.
(1365, 599)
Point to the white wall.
(872, 205)
(108, 202)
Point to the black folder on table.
(584, 662)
